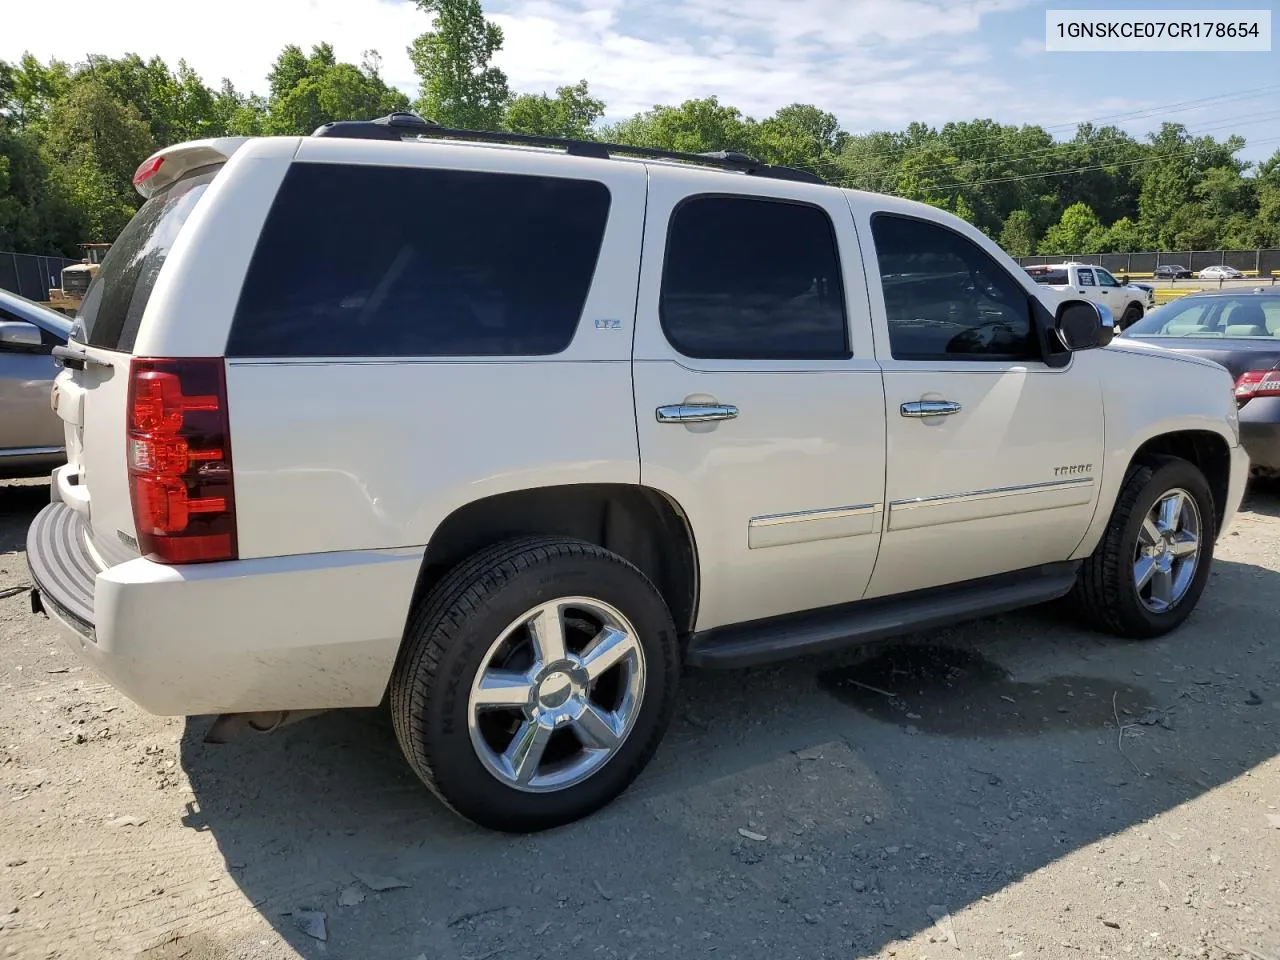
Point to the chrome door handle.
(695, 412)
(930, 408)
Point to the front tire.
(1132, 314)
(1147, 573)
(535, 682)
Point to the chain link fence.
(1260, 263)
(31, 275)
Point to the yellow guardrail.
(1165, 294)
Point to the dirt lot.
(1034, 791)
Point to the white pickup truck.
(504, 431)
(1128, 302)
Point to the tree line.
(71, 136)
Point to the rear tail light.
(1257, 383)
(179, 456)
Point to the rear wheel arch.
(643, 525)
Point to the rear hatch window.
(115, 301)
(1049, 277)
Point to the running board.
(850, 624)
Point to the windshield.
(113, 304)
(1248, 315)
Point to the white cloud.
(238, 39)
(874, 63)
(1029, 47)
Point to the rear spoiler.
(167, 165)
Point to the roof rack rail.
(397, 126)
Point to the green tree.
(1018, 237)
(696, 126)
(35, 215)
(1078, 231)
(1268, 195)
(308, 91)
(1178, 163)
(1123, 236)
(147, 86)
(459, 87)
(927, 174)
(239, 115)
(93, 146)
(572, 113)
(801, 135)
(32, 88)
(869, 161)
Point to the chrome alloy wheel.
(556, 694)
(1168, 551)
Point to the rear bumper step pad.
(61, 567)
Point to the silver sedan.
(31, 434)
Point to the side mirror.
(19, 335)
(1084, 325)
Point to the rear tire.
(535, 682)
(1144, 578)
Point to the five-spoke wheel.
(1168, 550)
(1150, 567)
(535, 681)
(558, 693)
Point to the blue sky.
(876, 64)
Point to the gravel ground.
(1032, 791)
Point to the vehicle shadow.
(1262, 497)
(824, 806)
(20, 501)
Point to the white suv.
(507, 434)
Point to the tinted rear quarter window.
(372, 261)
(112, 308)
(748, 278)
(1049, 277)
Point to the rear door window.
(113, 304)
(373, 261)
(754, 279)
(1086, 278)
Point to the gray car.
(1241, 331)
(31, 434)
